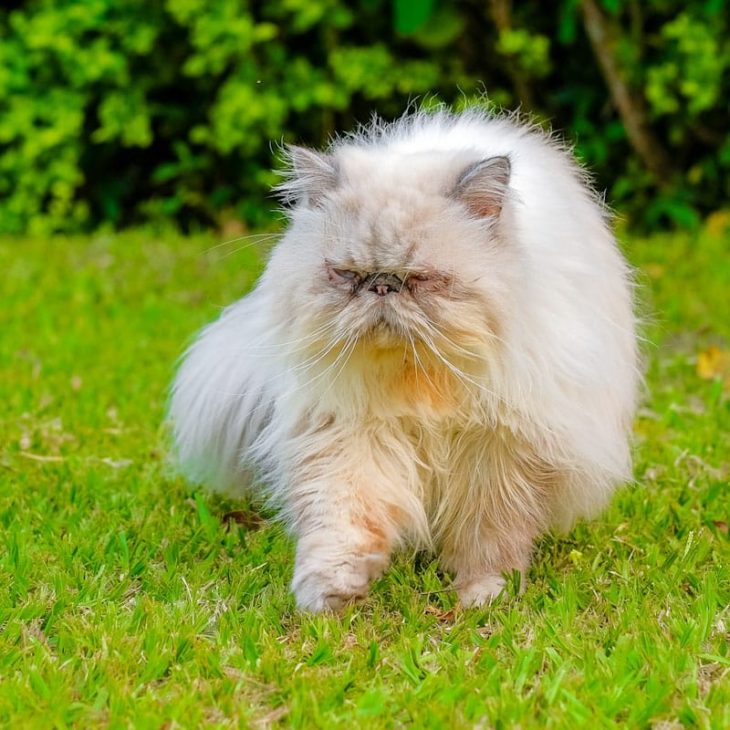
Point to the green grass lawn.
(128, 601)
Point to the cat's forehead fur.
(384, 174)
(381, 210)
(386, 206)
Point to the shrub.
(125, 111)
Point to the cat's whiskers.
(460, 374)
(308, 363)
(307, 339)
(317, 357)
(419, 364)
(303, 385)
(436, 330)
(345, 353)
(252, 237)
(263, 239)
(349, 348)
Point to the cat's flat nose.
(383, 284)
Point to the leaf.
(568, 22)
(655, 271)
(207, 521)
(718, 223)
(576, 556)
(714, 363)
(440, 615)
(247, 520)
(443, 27)
(410, 15)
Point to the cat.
(441, 352)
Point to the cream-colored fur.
(487, 400)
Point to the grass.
(127, 601)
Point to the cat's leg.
(350, 504)
(482, 572)
(337, 557)
(492, 534)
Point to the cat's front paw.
(482, 590)
(328, 583)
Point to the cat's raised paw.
(328, 586)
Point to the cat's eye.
(346, 274)
(342, 276)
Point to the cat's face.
(399, 252)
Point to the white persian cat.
(441, 352)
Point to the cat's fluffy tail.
(218, 403)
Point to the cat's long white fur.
(500, 407)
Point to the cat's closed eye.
(339, 275)
(346, 274)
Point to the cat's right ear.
(483, 186)
(309, 176)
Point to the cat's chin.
(384, 335)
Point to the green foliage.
(410, 15)
(127, 602)
(690, 78)
(530, 52)
(123, 110)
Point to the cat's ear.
(483, 185)
(311, 174)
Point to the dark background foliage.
(131, 111)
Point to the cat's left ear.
(311, 175)
(482, 187)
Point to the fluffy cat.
(441, 352)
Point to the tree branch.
(602, 34)
(501, 11)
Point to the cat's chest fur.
(436, 413)
(408, 387)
